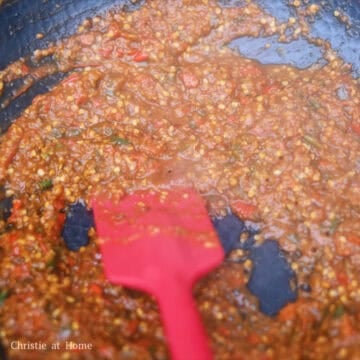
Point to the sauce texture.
(155, 99)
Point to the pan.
(25, 28)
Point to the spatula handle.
(185, 333)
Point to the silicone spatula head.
(152, 234)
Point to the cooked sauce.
(156, 100)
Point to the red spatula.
(161, 243)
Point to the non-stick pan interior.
(21, 21)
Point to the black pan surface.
(21, 20)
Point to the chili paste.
(155, 99)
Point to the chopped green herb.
(46, 184)
(240, 19)
(152, 349)
(308, 139)
(339, 311)
(119, 140)
(314, 104)
(39, 229)
(4, 294)
(45, 156)
(51, 263)
(59, 146)
(334, 225)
